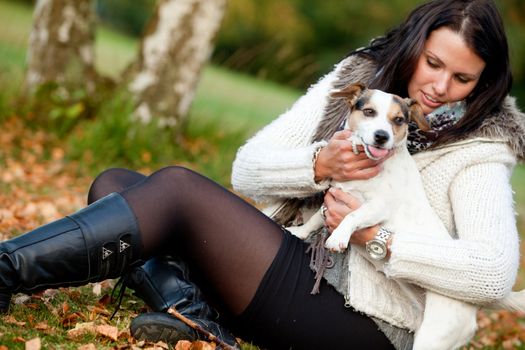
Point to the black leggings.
(256, 272)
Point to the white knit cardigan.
(467, 184)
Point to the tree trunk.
(61, 45)
(173, 51)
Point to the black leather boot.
(163, 282)
(98, 242)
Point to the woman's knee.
(176, 174)
(112, 180)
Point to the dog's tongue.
(377, 152)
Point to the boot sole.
(156, 326)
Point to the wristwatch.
(377, 246)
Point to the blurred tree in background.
(163, 77)
(296, 41)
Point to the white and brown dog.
(379, 122)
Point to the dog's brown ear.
(350, 92)
(416, 114)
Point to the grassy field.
(237, 104)
(228, 108)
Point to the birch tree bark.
(173, 51)
(61, 44)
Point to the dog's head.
(379, 120)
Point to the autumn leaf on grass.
(11, 320)
(160, 345)
(97, 289)
(80, 329)
(42, 326)
(72, 318)
(33, 344)
(196, 345)
(107, 331)
(21, 299)
(105, 300)
(64, 308)
(89, 346)
(97, 310)
(19, 340)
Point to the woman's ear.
(416, 114)
(350, 93)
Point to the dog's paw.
(299, 231)
(334, 244)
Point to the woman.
(448, 55)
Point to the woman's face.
(447, 70)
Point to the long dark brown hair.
(479, 23)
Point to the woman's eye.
(432, 63)
(462, 80)
(369, 112)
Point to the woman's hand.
(339, 204)
(338, 161)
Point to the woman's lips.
(430, 101)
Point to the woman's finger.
(342, 135)
(346, 198)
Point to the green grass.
(46, 317)
(228, 107)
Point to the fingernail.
(332, 190)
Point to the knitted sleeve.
(278, 161)
(481, 265)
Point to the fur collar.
(507, 125)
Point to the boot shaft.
(98, 242)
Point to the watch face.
(376, 249)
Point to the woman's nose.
(441, 83)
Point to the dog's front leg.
(314, 223)
(370, 213)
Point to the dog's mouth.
(372, 152)
(375, 153)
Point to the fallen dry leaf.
(11, 320)
(196, 345)
(110, 332)
(21, 299)
(33, 344)
(157, 346)
(183, 345)
(72, 318)
(89, 346)
(42, 326)
(97, 289)
(65, 308)
(19, 340)
(80, 329)
(106, 331)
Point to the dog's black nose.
(381, 136)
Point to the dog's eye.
(369, 112)
(399, 120)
